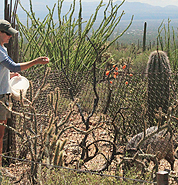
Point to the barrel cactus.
(158, 73)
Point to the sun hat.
(6, 27)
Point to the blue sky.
(161, 3)
(37, 3)
(157, 2)
(152, 2)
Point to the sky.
(25, 3)
(151, 2)
(161, 3)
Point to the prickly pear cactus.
(158, 73)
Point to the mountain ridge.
(141, 11)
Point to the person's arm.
(15, 67)
(11, 65)
(40, 60)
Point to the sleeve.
(3, 54)
(11, 65)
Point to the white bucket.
(17, 84)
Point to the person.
(9, 69)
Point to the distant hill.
(145, 11)
(141, 11)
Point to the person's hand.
(14, 74)
(39, 60)
(42, 60)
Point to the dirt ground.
(18, 172)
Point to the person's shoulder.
(3, 49)
(3, 53)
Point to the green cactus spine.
(158, 72)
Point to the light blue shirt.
(6, 65)
(4, 73)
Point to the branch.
(150, 135)
(14, 130)
(70, 90)
(80, 131)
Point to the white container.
(17, 84)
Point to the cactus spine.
(158, 72)
(58, 155)
(53, 99)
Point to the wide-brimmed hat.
(6, 26)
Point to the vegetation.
(84, 107)
(158, 72)
(69, 35)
